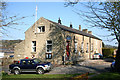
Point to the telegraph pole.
(36, 18)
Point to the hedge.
(108, 52)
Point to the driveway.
(92, 66)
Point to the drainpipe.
(90, 48)
(64, 46)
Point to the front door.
(67, 50)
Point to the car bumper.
(49, 67)
(10, 71)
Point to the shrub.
(4, 73)
(108, 52)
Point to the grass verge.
(39, 76)
(106, 76)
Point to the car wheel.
(16, 71)
(40, 71)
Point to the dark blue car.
(30, 65)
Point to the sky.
(51, 11)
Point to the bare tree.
(9, 21)
(105, 15)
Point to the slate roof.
(63, 27)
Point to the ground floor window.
(33, 46)
(82, 48)
(48, 55)
(87, 48)
(49, 46)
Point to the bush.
(108, 52)
(4, 73)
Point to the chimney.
(70, 25)
(59, 21)
(90, 32)
(85, 30)
(79, 27)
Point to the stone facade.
(50, 41)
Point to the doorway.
(67, 50)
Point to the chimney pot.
(90, 32)
(79, 27)
(59, 21)
(85, 30)
(70, 25)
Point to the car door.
(23, 65)
(31, 65)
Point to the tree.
(105, 15)
(8, 21)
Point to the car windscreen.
(96, 54)
(37, 60)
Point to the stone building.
(55, 42)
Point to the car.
(30, 65)
(113, 65)
(97, 56)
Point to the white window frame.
(96, 44)
(92, 47)
(48, 55)
(87, 47)
(76, 47)
(33, 46)
(48, 45)
(82, 46)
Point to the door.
(67, 50)
(23, 65)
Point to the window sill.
(48, 58)
(33, 52)
(40, 33)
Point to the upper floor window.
(92, 47)
(49, 46)
(33, 46)
(75, 47)
(41, 29)
(83, 38)
(82, 47)
(87, 48)
(96, 44)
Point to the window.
(92, 47)
(23, 62)
(33, 46)
(82, 47)
(96, 44)
(37, 61)
(83, 38)
(87, 48)
(75, 47)
(30, 62)
(48, 55)
(41, 29)
(49, 46)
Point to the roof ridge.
(73, 30)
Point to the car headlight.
(45, 65)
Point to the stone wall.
(58, 37)
(19, 50)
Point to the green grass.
(41, 76)
(106, 76)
